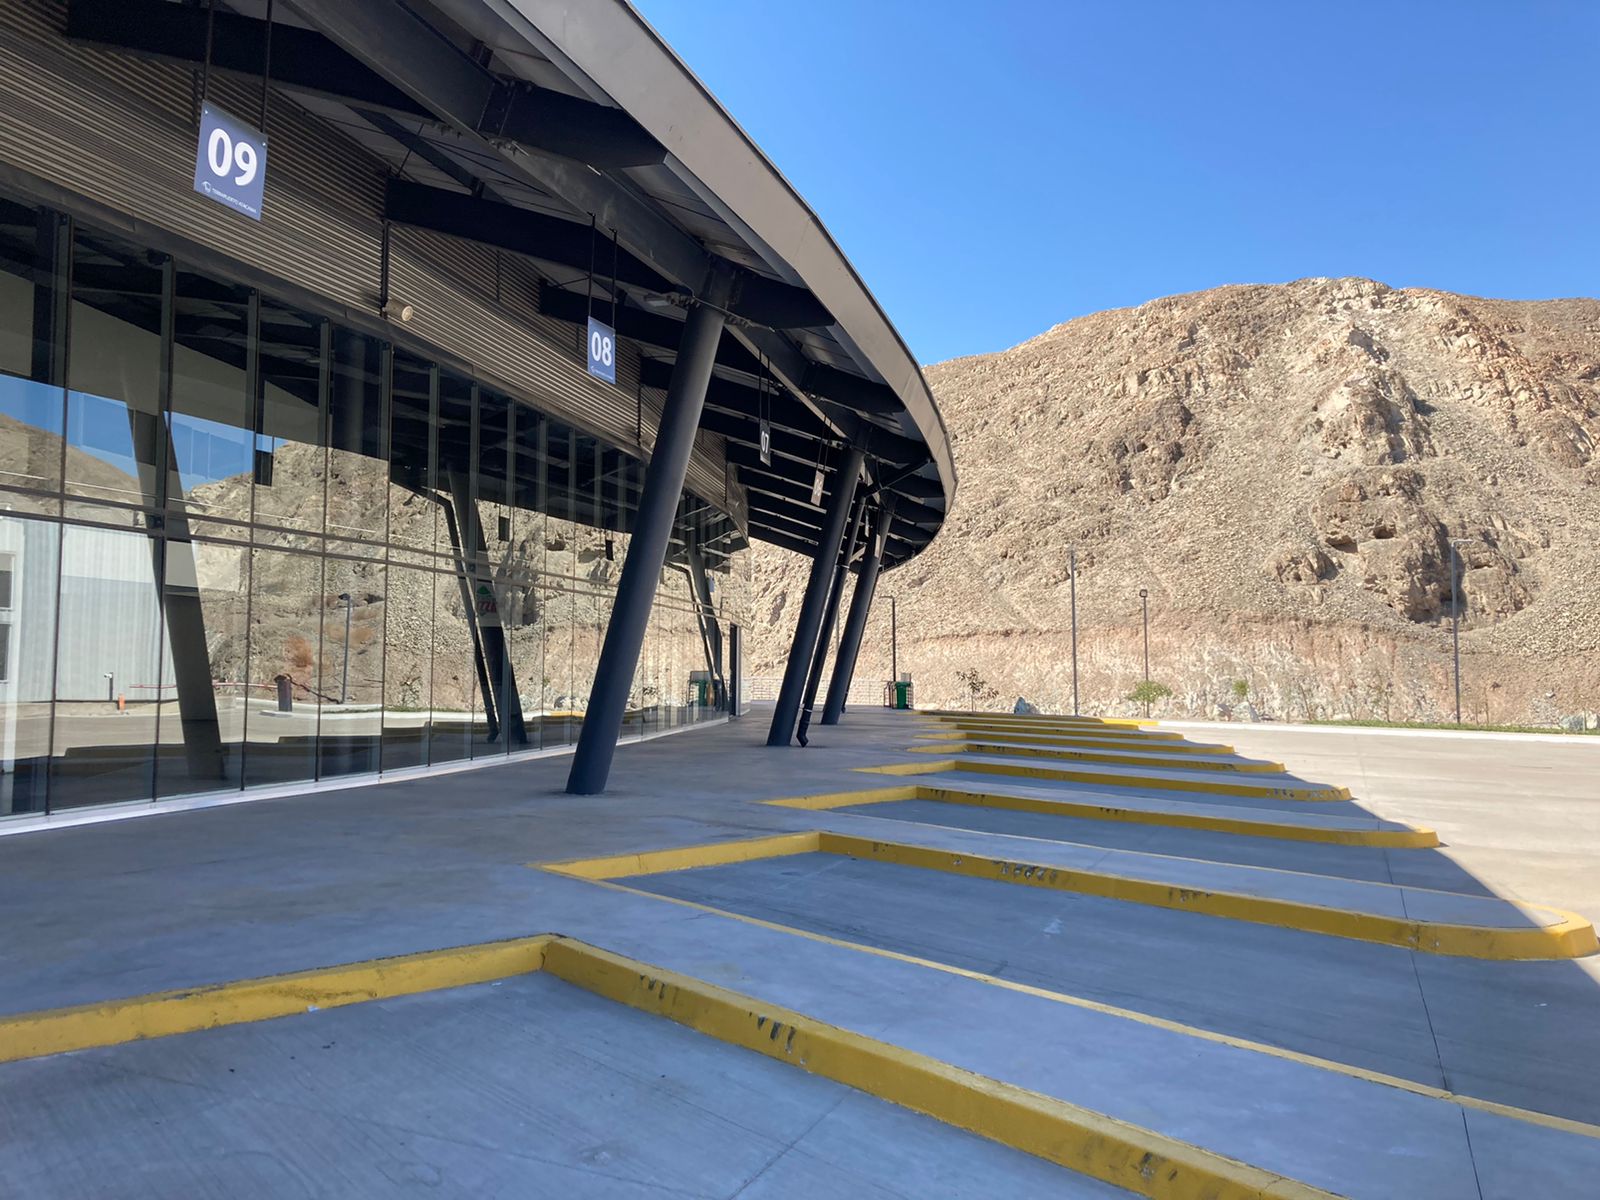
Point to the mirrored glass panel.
(31, 400)
(108, 668)
(116, 445)
(29, 556)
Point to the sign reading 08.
(230, 163)
(602, 351)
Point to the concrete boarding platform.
(1415, 918)
(1466, 1025)
(1175, 779)
(1297, 825)
(1154, 756)
(522, 1087)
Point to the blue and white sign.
(602, 351)
(230, 164)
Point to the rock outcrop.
(1285, 468)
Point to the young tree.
(1148, 692)
(976, 685)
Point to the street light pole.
(344, 687)
(1455, 621)
(1072, 571)
(894, 646)
(1144, 601)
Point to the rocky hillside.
(1284, 469)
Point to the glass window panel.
(202, 694)
(290, 461)
(31, 402)
(108, 668)
(455, 674)
(209, 474)
(286, 601)
(351, 722)
(358, 473)
(114, 370)
(558, 711)
(32, 550)
(525, 641)
(413, 515)
(407, 667)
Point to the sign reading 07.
(230, 163)
(602, 351)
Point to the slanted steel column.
(829, 616)
(844, 668)
(710, 631)
(809, 621)
(647, 548)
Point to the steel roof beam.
(306, 61)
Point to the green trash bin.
(902, 693)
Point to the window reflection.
(291, 551)
(119, 297)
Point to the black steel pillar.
(647, 548)
(809, 621)
(855, 626)
(829, 615)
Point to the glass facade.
(242, 544)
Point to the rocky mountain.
(1284, 469)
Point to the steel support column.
(844, 667)
(647, 548)
(829, 616)
(809, 622)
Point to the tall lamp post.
(1455, 621)
(894, 646)
(1144, 602)
(1072, 573)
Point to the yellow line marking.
(1088, 1142)
(1035, 718)
(1173, 745)
(684, 858)
(1131, 758)
(1104, 779)
(1069, 1135)
(1405, 838)
(1564, 935)
(1564, 1124)
(160, 1014)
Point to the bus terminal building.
(389, 385)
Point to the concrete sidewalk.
(185, 899)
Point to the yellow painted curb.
(1090, 1143)
(1408, 838)
(1568, 936)
(1131, 758)
(1108, 741)
(1562, 1124)
(1073, 732)
(161, 1014)
(1163, 783)
(1036, 718)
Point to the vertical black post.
(1072, 569)
(829, 616)
(1455, 622)
(855, 626)
(1144, 600)
(735, 654)
(809, 622)
(710, 631)
(894, 644)
(647, 548)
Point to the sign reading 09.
(230, 162)
(602, 351)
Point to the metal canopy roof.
(516, 123)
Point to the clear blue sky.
(995, 168)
